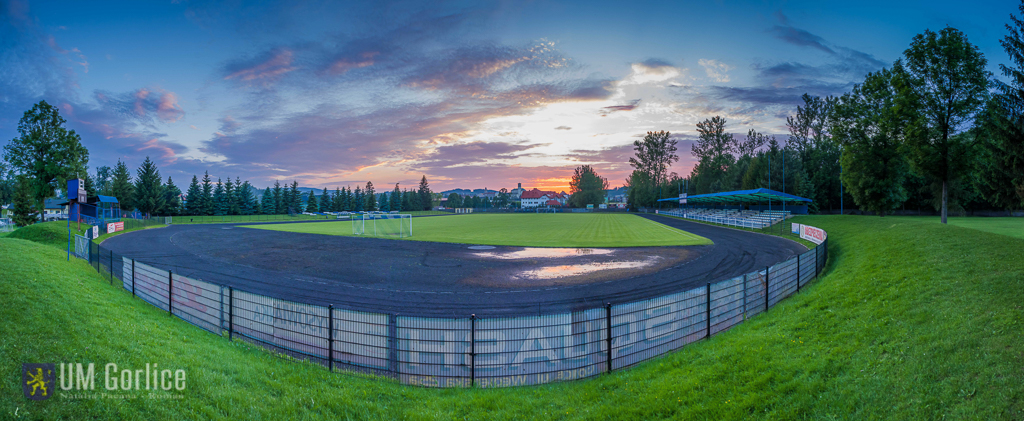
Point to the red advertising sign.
(115, 227)
(812, 234)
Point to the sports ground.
(584, 259)
(899, 327)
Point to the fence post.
(133, 278)
(798, 272)
(472, 350)
(231, 312)
(608, 337)
(330, 337)
(170, 293)
(707, 306)
(393, 344)
(767, 269)
(744, 296)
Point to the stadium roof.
(741, 196)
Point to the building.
(53, 210)
(517, 192)
(536, 197)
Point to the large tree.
(206, 203)
(426, 198)
(172, 198)
(121, 186)
(247, 204)
(713, 151)
(371, 197)
(311, 203)
(396, 199)
(454, 200)
(654, 154)
(278, 195)
(870, 123)
(587, 187)
(25, 213)
(149, 189)
(810, 135)
(46, 151)
(948, 77)
(1001, 175)
(220, 200)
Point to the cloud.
(651, 71)
(716, 70)
(614, 108)
(563, 128)
(261, 70)
(144, 105)
(800, 37)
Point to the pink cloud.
(263, 70)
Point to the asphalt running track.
(418, 278)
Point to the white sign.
(682, 198)
(95, 231)
(812, 234)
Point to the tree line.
(934, 129)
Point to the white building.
(537, 197)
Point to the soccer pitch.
(527, 230)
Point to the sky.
(470, 94)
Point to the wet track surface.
(442, 279)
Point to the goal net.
(382, 225)
(546, 210)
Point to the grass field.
(1011, 226)
(527, 229)
(914, 321)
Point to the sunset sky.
(472, 94)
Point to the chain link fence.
(467, 351)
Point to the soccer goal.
(546, 210)
(382, 225)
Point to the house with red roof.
(536, 197)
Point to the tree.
(294, 198)
(338, 204)
(121, 186)
(640, 190)
(414, 201)
(268, 204)
(90, 189)
(654, 154)
(45, 151)
(426, 199)
(810, 135)
(220, 202)
(1001, 176)
(396, 199)
(870, 122)
(503, 199)
(8, 183)
(231, 197)
(371, 197)
(713, 151)
(454, 200)
(246, 203)
(587, 187)
(311, 203)
(172, 198)
(194, 198)
(102, 180)
(149, 191)
(278, 196)
(325, 201)
(948, 77)
(207, 205)
(24, 211)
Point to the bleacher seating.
(733, 217)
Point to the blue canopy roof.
(741, 196)
(106, 199)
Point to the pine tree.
(90, 189)
(337, 202)
(311, 203)
(268, 205)
(194, 198)
(220, 205)
(426, 199)
(246, 204)
(406, 200)
(172, 198)
(229, 198)
(278, 198)
(371, 197)
(357, 200)
(296, 196)
(325, 201)
(149, 191)
(414, 201)
(121, 186)
(24, 210)
(236, 203)
(385, 204)
(206, 206)
(396, 199)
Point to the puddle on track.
(565, 271)
(550, 253)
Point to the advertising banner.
(812, 234)
(115, 227)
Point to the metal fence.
(467, 351)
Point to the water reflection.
(551, 253)
(564, 271)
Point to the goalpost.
(546, 210)
(382, 225)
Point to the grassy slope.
(53, 233)
(527, 229)
(1011, 226)
(915, 321)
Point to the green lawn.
(914, 321)
(1011, 226)
(526, 229)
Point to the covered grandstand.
(757, 208)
